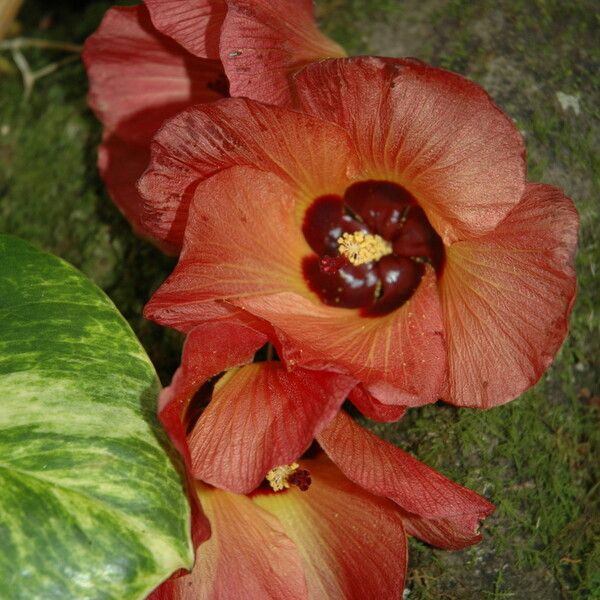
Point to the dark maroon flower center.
(371, 215)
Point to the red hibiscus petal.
(316, 157)
(261, 416)
(121, 164)
(425, 494)
(372, 408)
(447, 534)
(241, 239)
(210, 349)
(138, 78)
(352, 544)
(195, 24)
(435, 133)
(264, 42)
(249, 555)
(507, 297)
(399, 358)
(184, 314)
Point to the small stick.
(29, 76)
(21, 43)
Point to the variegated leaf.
(91, 504)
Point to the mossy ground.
(534, 457)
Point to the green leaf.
(91, 505)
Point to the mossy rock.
(540, 61)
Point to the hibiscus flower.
(146, 63)
(255, 415)
(332, 540)
(387, 233)
(297, 528)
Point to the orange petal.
(507, 297)
(438, 510)
(241, 239)
(249, 555)
(352, 544)
(261, 416)
(185, 314)
(209, 349)
(195, 24)
(313, 155)
(433, 132)
(448, 534)
(399, 358)
(264, 42)
(371, 408)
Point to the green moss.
(533, 457)
(348, 21)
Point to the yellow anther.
(278, 477)
(361, 248)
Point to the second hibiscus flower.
(387, 233)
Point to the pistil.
(361, 248)
(278, 477)
(282, 477)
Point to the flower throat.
(371, 247)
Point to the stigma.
(279, 477)
(361, 248)
(282, 477)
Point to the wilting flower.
(300, 528)
(388, 233)
(148, 62)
